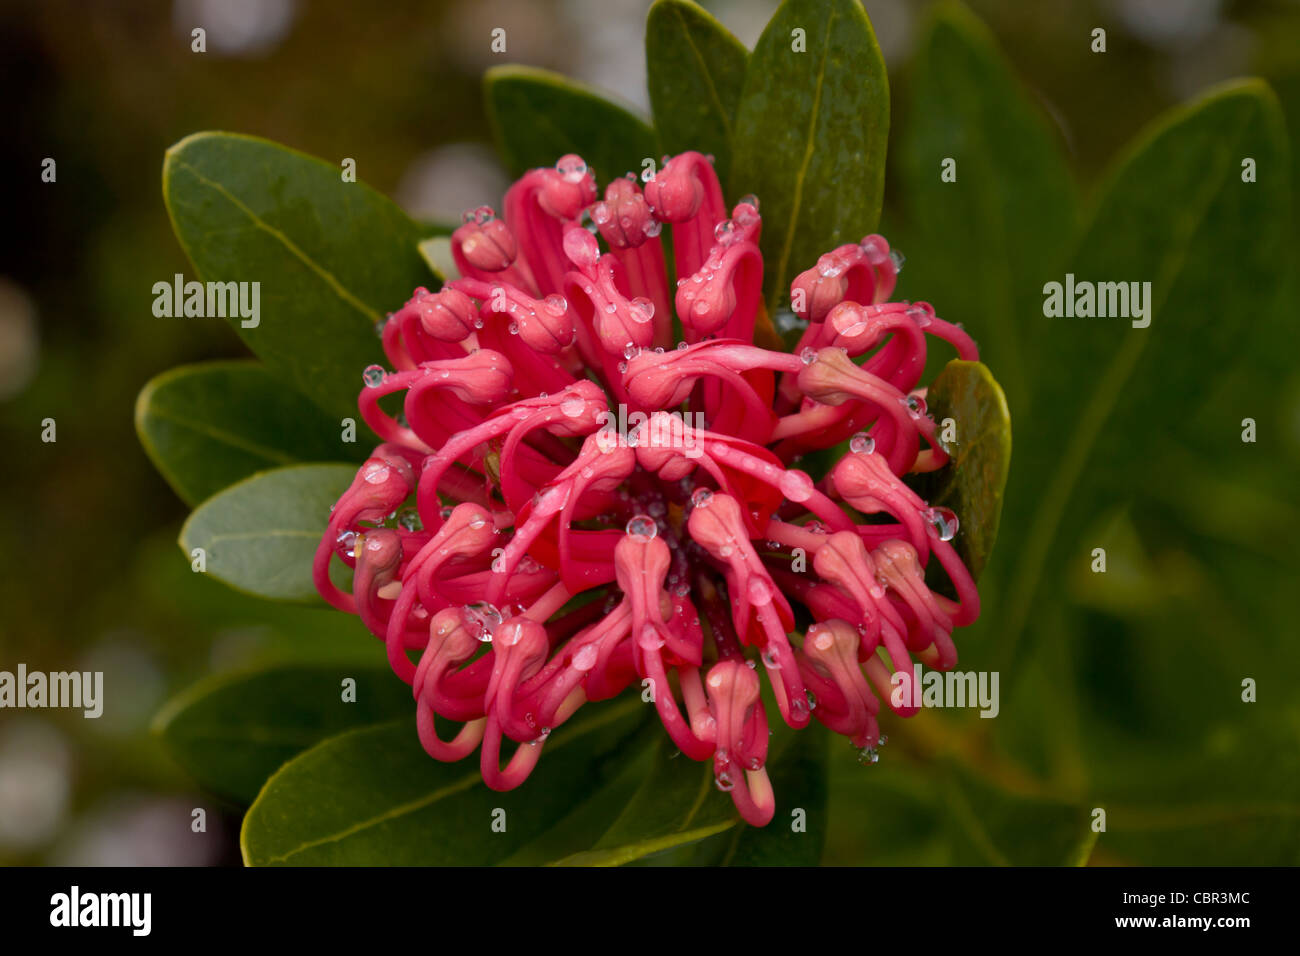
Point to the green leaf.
(538, 116)
(985, 242)
(1176, 213)
(971, 484)
(797, 834)
(331, 257)
(260, 535)
(811, 133)
(695, 70)
(679, 805)
(210, 425)
(989, 826)
(374, 797)
(232, 731)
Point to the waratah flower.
(602, 463)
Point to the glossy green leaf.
(695, 70)
(331, 257)
(260, 535)
(1177, 214)
(972, 482)
(374, 797)
(538, 116)
(210, 425)
(991, 827)
(986, 242)
(232, 731)
(679, 805)
(811, 133)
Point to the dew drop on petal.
(650, 639)
(585, 658)
(573, 407)
(409, 519)
(556, 304)
(701, 497)
(481, 619)
(571, 169)
(862, 443)
(920, 315)
(943, 521)
(867, 756)
(643, 310)
(808, 356)
(600, 213)
(749, 199)
(897, 258)
(652, 228)
(373, 376)
(760, 592)
(724, 782)
(642, 527)
(376, 472)
(796, 485)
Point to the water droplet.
(770, 660)
(409, 519)
(760, 592)
(373, 376)
(571, 169)
(943, 521)
(642, 527)
(883, 740)
(862, 443)
(897, 258)
(556, 304)
(796, 485)
(915, 405)
(481, 619)
(725, 232)
(701, 497)
(585, 658)
(643, 310)
(652, 228)
(514, 328)
(382, 324)
(573, 407)
(600, 213)
(808, 356)
(682, 346)
(749, 199)
(376, 472)
(348, 542)
(812, 700)
(829, 267)
(867, 756)
(630, 351)
(477, 522)
(724, 782)
(650, 638)
(919, 314)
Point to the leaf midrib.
(289, 245)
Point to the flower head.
(593, 483)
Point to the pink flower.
(563, 436)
